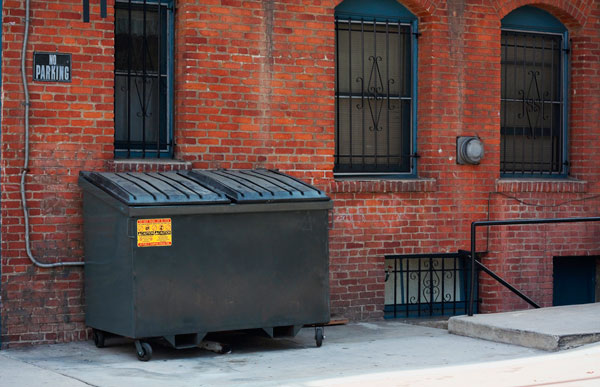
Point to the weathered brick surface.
(71, 130)
(523, 254)
(254, 87)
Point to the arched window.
(533, 112)
(375, 88)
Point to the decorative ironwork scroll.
(533, 102)
(375, 94)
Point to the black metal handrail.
(512, 222)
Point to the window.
(435, 284)
(375, 88)
(533, 114)
(143, 81)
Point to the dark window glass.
(373, 97)
(532, 104)
(141, 85)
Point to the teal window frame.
(537, 22)
(383, 13)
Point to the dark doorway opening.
(575, 280)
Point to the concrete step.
(550, 329)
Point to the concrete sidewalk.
(382, 353)
(550, 329)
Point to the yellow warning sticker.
(154, 232)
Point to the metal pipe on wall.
(26, 157)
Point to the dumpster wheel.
(319, 336)
(143, 350)
(99, 338)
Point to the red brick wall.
(254, 87)
(71, 129)
(459, 89)
(255, 84)
(523, 255)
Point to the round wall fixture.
(469, 150)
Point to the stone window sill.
(148, 165)
(382, 186)
(541, 185)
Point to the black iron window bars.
(532, 104)
(425, 285)
(373, 96)
(142, 107)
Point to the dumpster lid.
(258, 185)
(154, 188)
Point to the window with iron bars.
(533, 100)
(375, 90)
(424, 285)
(143, 81)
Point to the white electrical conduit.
(26, 160)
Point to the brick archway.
(420, 8)
(572, 17)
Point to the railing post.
(472, 284)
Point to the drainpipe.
(26, 159)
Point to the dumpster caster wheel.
(143, 351)
(99, 338)
(319, 336)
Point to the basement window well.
(575, 280)
(426, 285)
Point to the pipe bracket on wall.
(86, 10)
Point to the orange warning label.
(154, 232)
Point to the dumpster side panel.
(234, 271)
(108, 284)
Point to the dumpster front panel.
(162, 261)
(231, 278)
